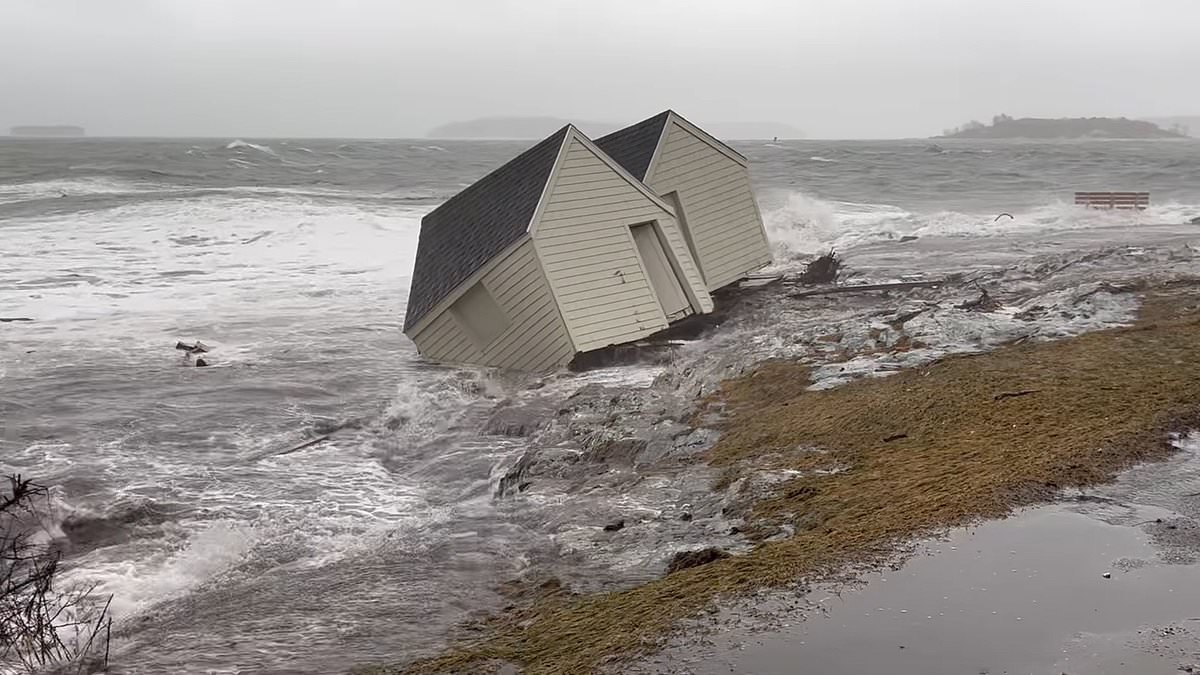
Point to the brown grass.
(1102, 402)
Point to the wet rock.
(200, 363)
(823, 270)
(689, 559)
(516, 421)
(984, 303)
(1194, 221)
(685, 517)
(539, 462)
(615, 526)
(1178, 540)
(620, 452)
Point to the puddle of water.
(1023, 595)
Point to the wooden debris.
(894, 437)
(1013, 394)
(309, 443)
(197, 348)
(902, 319)
(1105, 287)
(860, 288)
(984, 303)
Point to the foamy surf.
(804, 225)
(155, 577)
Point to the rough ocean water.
(177, 489)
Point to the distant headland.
(524, 128)
(57, 130)
(1004, 126)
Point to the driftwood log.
(862, 288)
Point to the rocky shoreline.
(809, 435)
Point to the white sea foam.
(218, 255)
(803, 225)
(239, 144)
(70, 187)
(135, 584)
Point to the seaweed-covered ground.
(811, 438)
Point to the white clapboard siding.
(718, 206)
(535, 338)
(589, 256)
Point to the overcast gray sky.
(833, 68)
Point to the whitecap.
(240, 144)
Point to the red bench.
(1113, 200)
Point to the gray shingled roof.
(633, 147)
(469, 229)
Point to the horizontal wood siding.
(535, 338)
(590, 259)
(718, 206)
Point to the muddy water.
(1106, 582)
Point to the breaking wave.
(239, 144)
(804, 225)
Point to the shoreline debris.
(984, 303)
(1014, 394)
(193, 350)
(893, 286)
(309, 443)
(197, 348)
(822, 270)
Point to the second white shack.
(559, 251)
(707, 183)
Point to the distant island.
(1004, 126)
(1187, 125)
(58, 130)
(524, 128)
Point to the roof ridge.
(633, 147)
(464, 233)
(474, 187)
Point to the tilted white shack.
(557, 252)
(708, 185)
